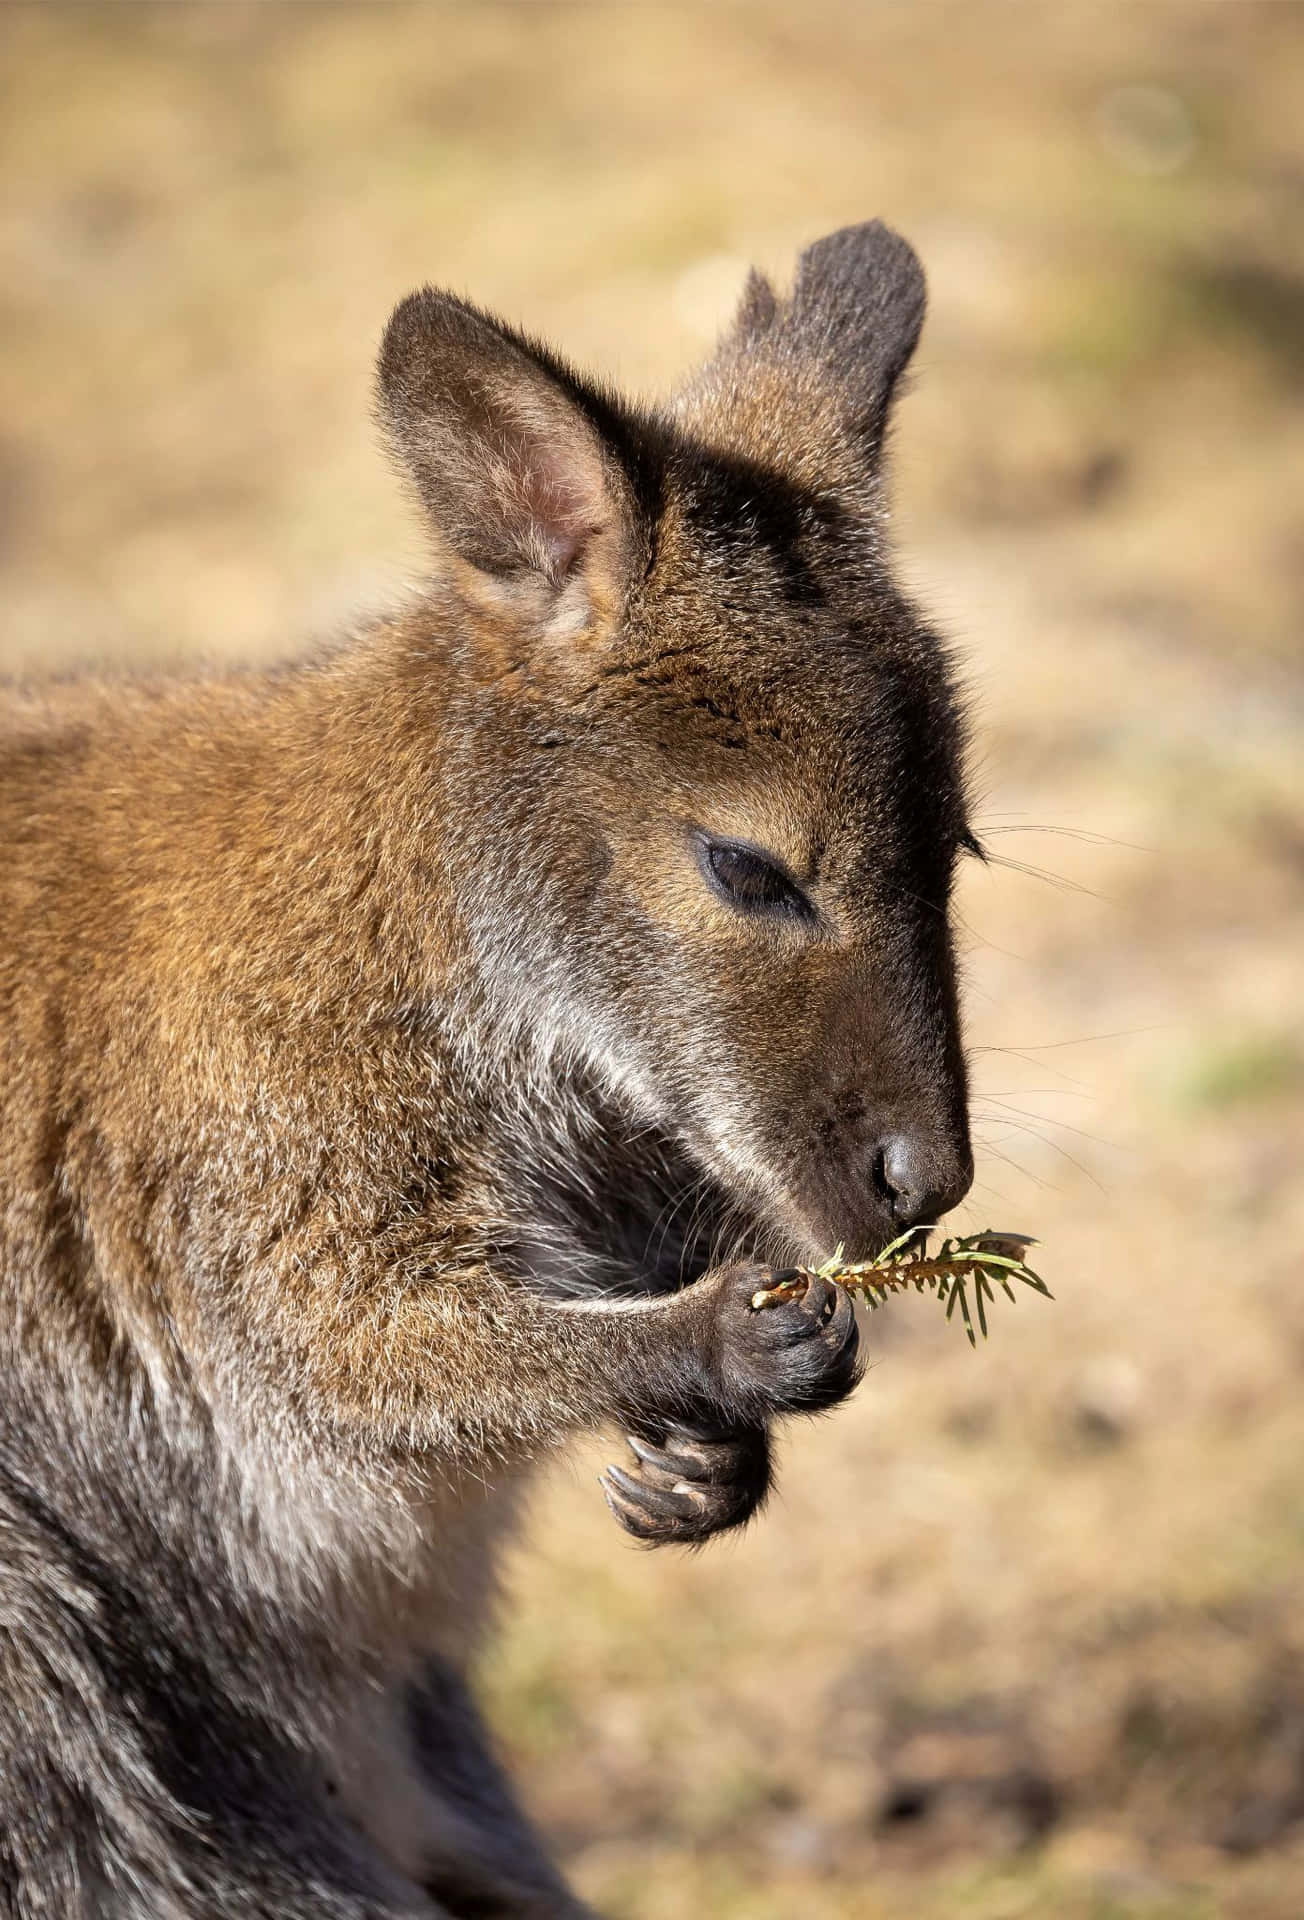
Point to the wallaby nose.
(924, 1178)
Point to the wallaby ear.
(845, 333)
(504, 444)
(857, 307)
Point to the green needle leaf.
(989, 1259)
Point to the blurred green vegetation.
(1261, 1067)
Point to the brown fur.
(388, 1091)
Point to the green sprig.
(984, 1261)
(987, 1260)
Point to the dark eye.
(750, 882)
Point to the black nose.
(923, 1178)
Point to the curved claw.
(652, 1513)
(688, 1486)
(655, 1462)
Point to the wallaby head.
(705, 774)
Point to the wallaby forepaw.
(789, 1339)
(687, 1487)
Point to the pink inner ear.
(563, 549)
(562, 513)
(555, 487)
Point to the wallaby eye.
(750, 882)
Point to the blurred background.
(1023, 1631)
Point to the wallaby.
(415, 1055)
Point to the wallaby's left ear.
(832, 351)
(512, 455)
(857, 308)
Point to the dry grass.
(1022, 1633)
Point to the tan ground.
(1023, 1634)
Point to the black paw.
(796, 1352)
(689, 1487)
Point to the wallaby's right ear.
(512, 455)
